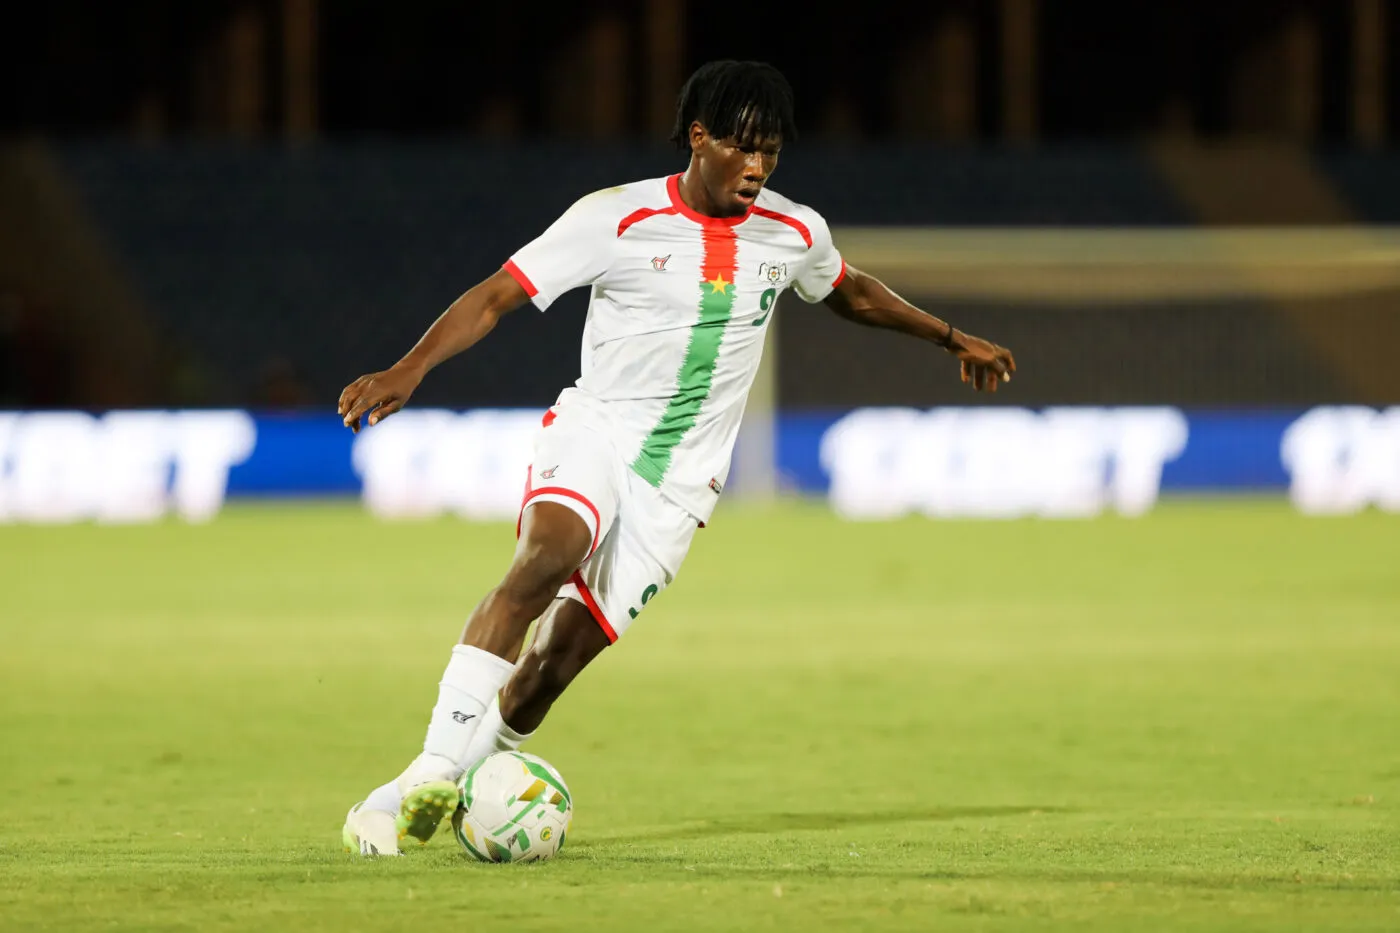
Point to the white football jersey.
(679, 309)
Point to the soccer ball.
(514, 807)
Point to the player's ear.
(697, 135)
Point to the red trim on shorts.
(842, 277)
(548, 418)
(792, 222)
(642, 213)
(568, 494)
(592, 604)
(521, 277)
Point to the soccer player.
(684, 273)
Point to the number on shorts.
(647, 594)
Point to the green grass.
(1187, 721)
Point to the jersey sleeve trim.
(792, 222)
(841, 276)
(521, 277)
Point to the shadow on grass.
(797, 822)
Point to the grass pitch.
(1187, 721)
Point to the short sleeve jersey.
(679, 308)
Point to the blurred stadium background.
(1184, 218)
(242, 205)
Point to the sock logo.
(459, 716)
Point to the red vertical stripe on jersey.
(721, 252)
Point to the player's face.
(734, 171)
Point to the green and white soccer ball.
(514, 808)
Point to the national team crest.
(773, 272)
(659, 262)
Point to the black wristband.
(947, 341)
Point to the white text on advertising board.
(126, 466)
(1342, 459)
(999, 462)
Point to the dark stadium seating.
(280, 274)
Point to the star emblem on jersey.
(718, 284)
(659, 262)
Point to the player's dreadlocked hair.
(744, 100)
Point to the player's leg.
(640, 557)
(554, 540)
(570, 504)
(566, 641)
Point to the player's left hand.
(984, 364)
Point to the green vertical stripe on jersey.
(698, 367)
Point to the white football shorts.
(640, 537)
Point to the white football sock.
(471, 681)
(384, 798)
(493, 735)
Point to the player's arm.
(866, 300)
(468, 319)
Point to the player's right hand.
(378, 395)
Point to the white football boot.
(428, 788)
(370, 832)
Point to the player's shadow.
(796, 822)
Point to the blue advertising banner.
(1226, 450)
(869, 463)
